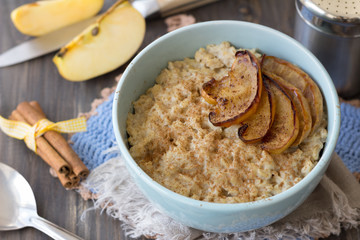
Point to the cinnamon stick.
(33, 113)
(45, 150)
(75, 180)
(64, 180)
(71, 180)
(38, 108)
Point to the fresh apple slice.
(104, 45)
(256, 126)
(302, 81)
(237, 95)
(285, 128)
(39, 18)
(301, 105)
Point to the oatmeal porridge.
(172, 140)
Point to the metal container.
(331, 30)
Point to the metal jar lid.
(337, 17)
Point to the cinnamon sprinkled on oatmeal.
(173, 141)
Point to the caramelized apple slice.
(285, 128)
(238, 95)
(301, 80)
(301, 105)
(256, 126)
(207, 90)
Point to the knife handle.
(169, 7)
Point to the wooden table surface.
(39, 80)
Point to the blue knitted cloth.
(348, 145)
(90, 145)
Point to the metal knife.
(55, 40)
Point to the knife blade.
(37, 47)
(53, 41)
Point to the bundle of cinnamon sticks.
(52, 147)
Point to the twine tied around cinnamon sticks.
(23, 131)
(29, 123)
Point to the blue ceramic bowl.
(140, 75)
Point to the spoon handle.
(52, 229)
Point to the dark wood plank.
(38, 80)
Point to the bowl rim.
(324, 160)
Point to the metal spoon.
(18, 206)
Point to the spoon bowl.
(18, 206)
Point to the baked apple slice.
(256, 126)
(302, 81)
(301, 105)
(285, 128)
(208, 89)
(237, 95)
